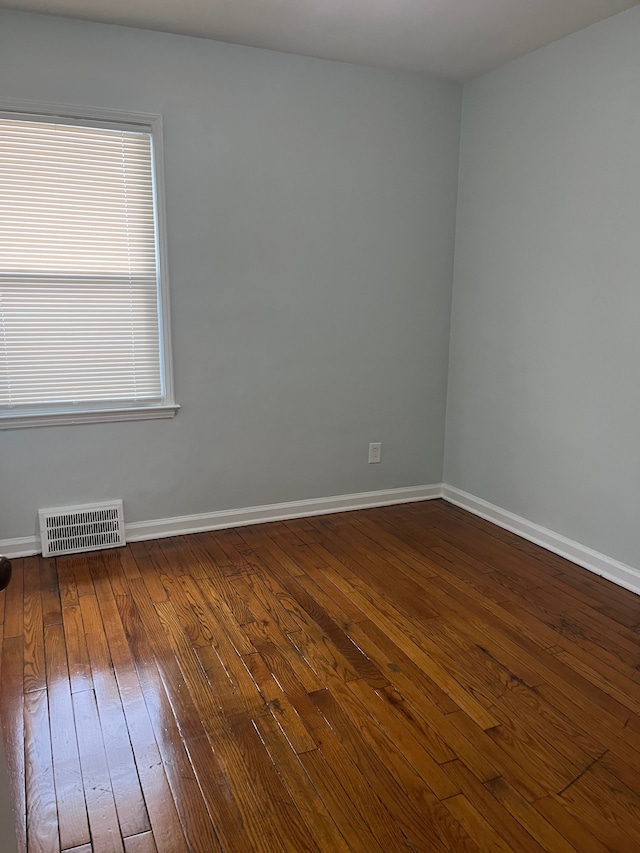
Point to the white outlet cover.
(375, 452)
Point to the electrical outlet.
(375, 452)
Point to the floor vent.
(70, 529)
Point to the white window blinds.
(79, 298)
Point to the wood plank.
(322, 657)
(402, 738)
(65, 569)
(340, 779)
(42, 818)
(246, 790)
(401, 678)
(287, 820)
(309, 803)
(406, 799)
(211, 607)
(341, 804)
(161, 808)
(130, 805)
(406, 637)
(279, 705)
(101, 807)
(547, 836)
(605, 806)
(575, 832)
(73, 825)
(143, 843)
(475, 824)
(34, 667)
(193, 772)
(50, 593)
(77, 652)
(510, 830)
(397, 666)
(281, 655)
(12, 708)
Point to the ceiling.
(452, 38)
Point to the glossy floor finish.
(400, 679)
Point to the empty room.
(319, 466)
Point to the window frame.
(92, 412)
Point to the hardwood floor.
(400, 679)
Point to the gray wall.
(310, 210)
(544, 386)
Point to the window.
(84, 332)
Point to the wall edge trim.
(159, 528)
(594, 561)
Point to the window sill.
(95, 416)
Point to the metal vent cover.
(90, 527)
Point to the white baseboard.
(137, 531)
(26, 546)
(600, 564)
(594, 561)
